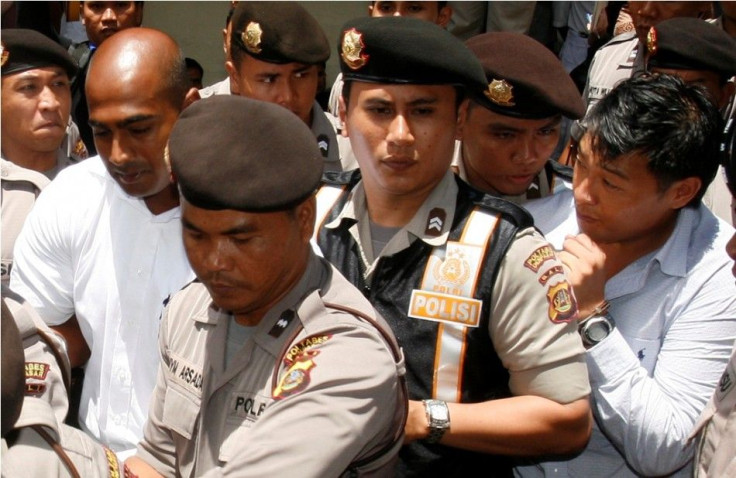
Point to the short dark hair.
(192, 63)
(675, 125)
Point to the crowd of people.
(453, 258)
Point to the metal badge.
(4, 53)
(352, 49)
(652, 41)
(501, 93)
(251, 37)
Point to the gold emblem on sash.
(351, 50)
(251, 37)
(501, 93)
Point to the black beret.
(279, 32)
(24, 49)
(405, 50)
(232, 152)
(691, 44)
(524, 78)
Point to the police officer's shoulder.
(514, 213)
(12, 172)
(619, 40)
(341, 178)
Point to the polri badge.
(252, 37)
(652, 41)
(351, 49)
(501, 93)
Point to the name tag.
(445, 308)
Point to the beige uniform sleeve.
(533, 323)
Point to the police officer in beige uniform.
(35, 81)
(511, 128)
(276, 49)
(40, 443)
(36, 93)
(475, 295)
(272, 363)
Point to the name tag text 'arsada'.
(445, 308)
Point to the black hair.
(192, 63)
(675, 125)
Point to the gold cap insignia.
(4, 53)
(652, 41)
(251, 37)
(501, 93)
(352, 49)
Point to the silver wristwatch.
(438, 416)
(595, 329)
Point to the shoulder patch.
(537, 258)
(562, 304)
(299, 361)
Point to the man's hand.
(586, 268)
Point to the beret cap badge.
(500, 92)
(252, 37)
(5, 54)
(352, 49)
(652, 41)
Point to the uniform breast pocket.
(244, 411)
(181, 412)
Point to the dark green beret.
(231, 152)
(691, 44)
(278, 32)
(524, 78)
(405, 50)
(24, 49)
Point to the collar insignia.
(4, 53)
(435, 221)
(352, 49)
(652, 41)
(251, 37)
(501, 93)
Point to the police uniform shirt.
(552, 365)
(335, 397)
(219, 88)
(716, 429)
(614, 62)
(45, 405)
(20, 188)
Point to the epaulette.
(341, 178)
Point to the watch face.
(597, 331)
(439, 412)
